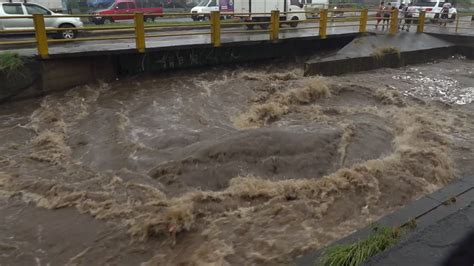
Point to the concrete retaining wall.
(59, 73)
(393, 60)
(38, 78)
(198, 56)
(21, 82)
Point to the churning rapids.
(225, 166)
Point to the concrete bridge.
(141, 38)
(111, 51)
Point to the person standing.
(444, 14)
(379, 14)
(401, 15)
(409, 18)
(386, 16)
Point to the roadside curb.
(425, 211)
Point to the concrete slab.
(367, 52)
(447, 192)
(468, 179)
(367, 45)
(445, 210)
(431, 245)
(409, 212)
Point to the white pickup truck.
(204, 9)
(28, 9)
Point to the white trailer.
(53, 5)
(259, 11)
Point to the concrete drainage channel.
(65, 71)
(425, 212)
(421, 214)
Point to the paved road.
(203, 37)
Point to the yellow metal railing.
(216, 28)
(421, 23)
(272, 23)
(41, 38)
(140, 32)
(323, 23)
(363, 20)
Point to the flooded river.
(235, 165)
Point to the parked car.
(124, 7)
(433, 9)
(23, 9)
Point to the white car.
(203, 9)
(28, 9)
(433, 9)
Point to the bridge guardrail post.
(275, 25)
(216, 28)
(394, 22)
(421, 22)
(41, 37)
(323, 23)
(140, 32)
(364, 14)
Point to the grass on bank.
(356, 253)
(381, 52)
(10, 62)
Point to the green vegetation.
(411, 224)
(381, 52)
(356, 253)
(450, 201)
(10, 62)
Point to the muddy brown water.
(225, 166)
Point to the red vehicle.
(125, 7)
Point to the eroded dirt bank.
(227, 166)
